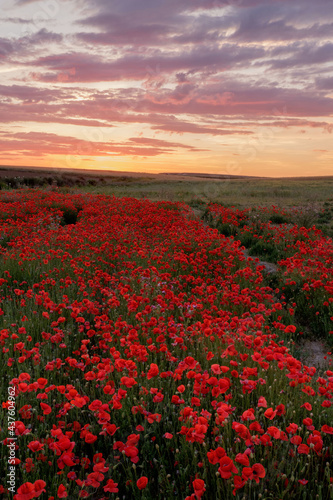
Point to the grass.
(313, 196)
(231, 192)
(239, 192)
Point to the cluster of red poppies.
(149, 359)
(304, 258)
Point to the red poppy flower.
(153, 371)
(25, 492)
(90, 438)
(35, 446)
(216, 369)
(142, 482)
(258, 471)
(62, 493)
(39, 486)
(262, 402)
(296, 440)
(292, 428)
(248, 414)
(307, 406)
(199, 488)
(111, 486)
(280, 410)
(227, 467)
(270, 413)
(20, 428)
(327, 429)
(46, 408)
(247, 473)
(41, 382)
(274, 432)
(214, 456)
(242, 459)
(238, 484)
(303, 448)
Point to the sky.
(230, 87)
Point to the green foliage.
(325, 216)
(247, 240)
(226, 229)
(278, 219)
(266, 250)
(197, 203)
(69, 215)
(207, 217)
(4, 241)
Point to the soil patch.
(313, 353)
(270, 267)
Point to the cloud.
(192, 128)
(80, 67)
(43, 144)
(6, 48)
(14, 49)
(148, 141)
(16, 20)
(25, 2)
(30, 94)
(43, 36)
(188, 108)
(325, 83)
(306, 55)
(124, 30)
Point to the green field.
(313, 197)
(237, 192)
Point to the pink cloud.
(80, 67)
(43, 144)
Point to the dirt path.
(309, 352)
(270, 267)
(314, 353)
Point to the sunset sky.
(218, 86)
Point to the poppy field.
(145, 355)
(304, 258)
